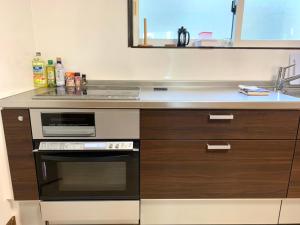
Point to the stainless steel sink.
(294, 91)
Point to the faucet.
(282, 81)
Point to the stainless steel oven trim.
(76, 151)
(67, 131)
(111, 146)
(110, 123)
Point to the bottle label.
(51, 75)
(38, 69)
(60, 77)
(40, 81)
(39, 75)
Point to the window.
(271, 20)
(165, 20)
(216, 23)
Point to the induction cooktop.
(89, 93)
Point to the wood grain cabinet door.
(17, 129)
(225, 169)
(294, 189)
(218, 124)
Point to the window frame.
(238, 43)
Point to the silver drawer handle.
(221, 117)
(218, 147)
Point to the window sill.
(213, 47)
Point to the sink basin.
(295, 92)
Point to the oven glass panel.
(96, 176)
(68, 119)
(88, 175)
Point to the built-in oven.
(85, 154)
(85, 170)
(87, 159)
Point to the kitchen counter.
(229, 148)
(179, 96)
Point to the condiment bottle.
(84, 80)
(70, 79)
(77, 80)
(39, 72)
(51, 74)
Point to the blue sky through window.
(165, 17)
(271, 20)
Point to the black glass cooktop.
(89, 92)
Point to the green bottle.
(51, 74)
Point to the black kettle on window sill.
(183, 37)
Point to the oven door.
(94, 175)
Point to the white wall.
(16, 49)
(91, 36)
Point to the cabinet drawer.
(218, 124)
(294, 188)
(189, 170)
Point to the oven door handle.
(83, 159)
(44, 171)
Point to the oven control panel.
(81, 146)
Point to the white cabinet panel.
(210, 211)
(103, 212)
(290, 211)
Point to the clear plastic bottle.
(60, 73)
(51, 74)
(39, 72)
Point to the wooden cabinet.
(187, 169)
(294, 188)
(218, 124)
(17, 128)
(217, 153)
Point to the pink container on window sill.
(205, 35)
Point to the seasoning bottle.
(50, 69)
(70, 79)
(84, 80)
(77, 80)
